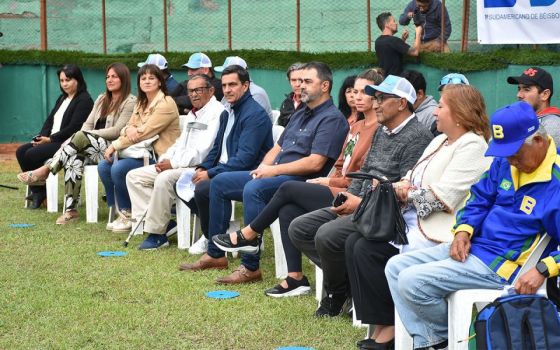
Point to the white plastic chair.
(91, 184)
(52, 194)
(460, 303)
(275, 115)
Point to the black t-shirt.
(390, 51)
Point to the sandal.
(67, 217)
(29, 179)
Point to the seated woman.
(69, 113)
(295, 198)
(346, 99)
(111, 111)
(431, 193)
(155, 113)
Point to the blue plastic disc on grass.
(112, 253)
(294, 348)
(21, 225)
(222, 294)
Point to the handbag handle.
(367, 176)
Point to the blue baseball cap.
(198, 60)
(396, 86)
(453, 78)
(510, 126)
(230, 61)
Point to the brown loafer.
(241, 275)
(206, 262)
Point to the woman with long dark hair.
(111, 111)
(69, 113)
(155, 113)
(346, 100)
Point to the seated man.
(198, 63)
(259, 94)
(427, 13)
(244, 137)
(535, 86)
(506, 214)
(308, 148)
(425, 104)
(396, 146)
(293, 99)
(152, 188)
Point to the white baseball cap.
(230, 61)
(157, 59)
(198, 60)
(396, 86)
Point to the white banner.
(518, 21)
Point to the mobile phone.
(36, 138)
(339, 199)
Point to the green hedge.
(269, 59)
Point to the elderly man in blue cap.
(507, 212)
(198, 63)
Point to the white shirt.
(190, 151)
(398, 128)
(227, 131)
(57, 120)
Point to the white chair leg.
(318, 284)
(52, 193)
(232, 211)
(279, 255)
(403, 340)
(196, 230)
(92, 189)
(183, 224)
(459, 313)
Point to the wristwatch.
(543, 269)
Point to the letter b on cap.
(498, 131)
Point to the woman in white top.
(430, 193)
(69, 113)
(111, 111)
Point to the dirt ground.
(8, 151)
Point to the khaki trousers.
(152, 192)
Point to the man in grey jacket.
(425, 104)
(396, 146)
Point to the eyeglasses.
(382, 97)
(197, 91)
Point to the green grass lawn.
(56, 293)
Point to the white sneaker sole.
(197, 251)
(301, 290)
(246, 249)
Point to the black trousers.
(31, 158)
(365, 263)
(292, 199)
(321, 235)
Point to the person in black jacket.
(69, 113)
(293, 99)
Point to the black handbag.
(379, 217)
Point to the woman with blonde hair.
(431, 194)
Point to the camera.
(418, 18)
(339, 199)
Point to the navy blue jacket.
(247, 143)
(432, 27)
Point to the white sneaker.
(199, 247)
(123, 224)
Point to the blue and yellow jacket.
(508, 211)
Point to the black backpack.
(518, 322)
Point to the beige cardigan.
(160, 118)
(115, 121)
(450, 174)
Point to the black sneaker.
(243, 245)
(331, 305)
(295, 288)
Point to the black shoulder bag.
(379, 217)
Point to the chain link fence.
(121, 26)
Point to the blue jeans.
(421, 280)
(239, 186)
(113, 177)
